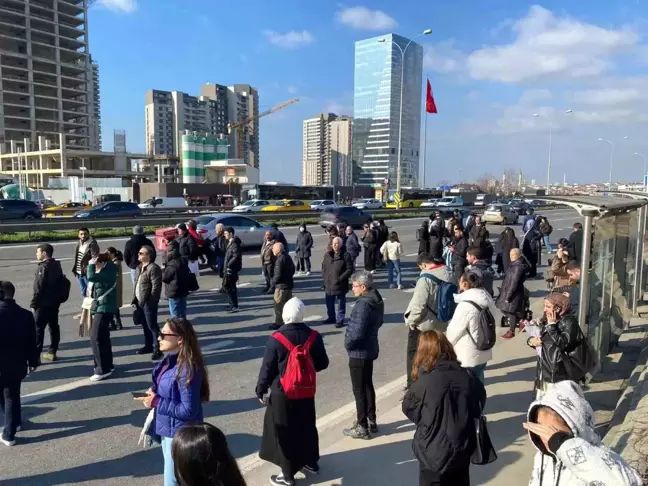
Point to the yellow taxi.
(65, 209)
(287, 205)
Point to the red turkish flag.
(430, 105)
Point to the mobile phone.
(138, 394)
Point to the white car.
(430, 203)
(322, 204)
(251, 206)
(368, 204)
(249, 231)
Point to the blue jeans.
(178, 307)
(393, 265)
(83, 284)
(330, 307)
(547, 243)
(479, 371)
(133, 272)
(169, 473)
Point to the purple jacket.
(176, 404)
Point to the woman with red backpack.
(293, 356)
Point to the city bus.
(276, 192)
(411, 197)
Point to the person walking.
(337, 268)
(132, 248)
(46, 300)
(443, 402)
(423, 238)
(282, 282)
(175, 277)
(232, 264)
(303, 248)
(475, 257)
(352, 244)
(511, 297)
(546, 230)
(382, 235)
(392, 251)
(464, 327)
(290, 439)
(267, 262)
(116, 257)
(459, 248)
(86, 249)
(102, 282)
(505, 243)
(531, 246)
(146, 298)
(370, 244)
(180, 387)
(576, 243)
(201, 457)
(420, 313)
(18, 355)
(361, 343)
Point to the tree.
(488, 183)
(510, 181)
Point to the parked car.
(322, 204)
(287, 205)
(344, 214)
(450, 201)
(518, 206)
(164, 202)
(65, 209)
(368, 204)
(115, 210)
(251, 206)
(430, 203)
(18, 209)
(249, 231)
(500, 213)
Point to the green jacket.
(102, 281)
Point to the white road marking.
(412, 254)
(244, 284)
(217, 345)
(32, 397)
(313, 318)
(409, 291)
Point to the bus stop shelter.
(613, 266)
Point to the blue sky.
(492, 65)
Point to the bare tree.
(487, 183)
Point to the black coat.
(46, 282)
(187, 247)
(352, 245)
(382, 235)
(437, 233)
(558, 339)
(423, 238)
(504, 247)
(337, 269)
(176, 279)
(361, 336)
(443, 404)
(511, 297)
(17, 341)
(531, 244)
(460, 251)
(369, 239)
(279, 237)
(91, 251)
(233, 261)
(303, 245)
(479, 236)
(576, 246)
(284, 269)
(218, 245)
(132, 248)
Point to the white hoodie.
(582, 460)
(465, 320)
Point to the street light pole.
(550, 145)
(400, 115)
(645, 170)
(611, 159)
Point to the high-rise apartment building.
(377, 105)
(326, 150)
(244, 141)
(48, 83)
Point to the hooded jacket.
(46, 281)
(466, 320)
(361, 337)
(419, 313)
(487, 274)
(579, 458)
(132, 248)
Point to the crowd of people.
(451, 320)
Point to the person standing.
(337, 267)
(480, 237)
(146, 297)
(576, 243)
(506, 242)
(351, 244)
(267, 261)
(392, 251)
(46, 300)
(192, 229)
(282, 282)
(102, 279)
(361, 343)
(476, 261)
(531, 247)
(369, 241)
(18, 355)
(303, 248)
(232, 264)
(511, 298)
(219, 245)
(86, 249)
(175, 277)
(423, 238)
(187, 247)
(277, 235)
(382, 235)
(180, 387)
(546, 230)
(459, 248)
(290, 439)
(437, 232)
(132, 248)
(116, 257)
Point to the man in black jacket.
(86, 248)
(576, 244)
(185, 244)
(17, 352)
(232, 265)
(361, 343)
(132, 248)
(47, 299)
(476, 260)
(219, 245)
(175, 277)
(146, 297)
(459, 253)
(336, 269)
(282, 281)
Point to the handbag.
(579, 361)
(192, 282)
(484, 452)
(91, 304)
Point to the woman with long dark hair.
(370, 243)
(117, 258)
(505, 243)
(201, 457)
(180, 386)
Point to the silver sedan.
(249, 231)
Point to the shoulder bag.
(484, 452)
(91, 304)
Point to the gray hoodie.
(581, 459)
(418, 314)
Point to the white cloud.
(366, 19)
(289, 40)
(443, 58)
(123, 6)
(609, 96)
(531, 96)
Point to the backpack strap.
(436, 280)
(311, 339)
(467, 330)
(283, 340)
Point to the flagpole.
(424, 146)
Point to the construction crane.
(278, 107)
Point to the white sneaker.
(96, 377)
(8, 443)
(400, 287)
(307, 273)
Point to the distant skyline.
(492, 65)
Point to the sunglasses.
(165, 335)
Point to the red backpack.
(299, 379)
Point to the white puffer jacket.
(465, 320)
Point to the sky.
(493, 64)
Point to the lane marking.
(412, 254)
(66, 387)
(58, 259)
(244, 284)
(217, 345)
(313, 318)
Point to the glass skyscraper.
(376, 109)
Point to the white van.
(164, 202)
(450, 201)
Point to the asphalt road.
(78, 432)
